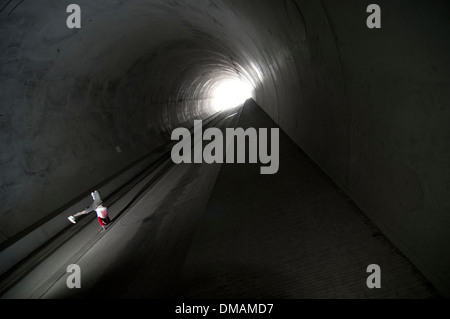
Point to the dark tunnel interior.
(370, 107)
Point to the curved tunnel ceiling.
(168, 58)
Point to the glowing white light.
(230, 94)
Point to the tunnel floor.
(226, 231)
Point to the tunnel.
(363, 114)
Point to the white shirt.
(101, 211)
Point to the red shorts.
(103, 221)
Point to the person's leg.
(73, 217)
(80, 213)
(96, 198)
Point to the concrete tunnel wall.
(369, 106)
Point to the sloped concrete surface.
(289, 235)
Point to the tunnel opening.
(230, 93)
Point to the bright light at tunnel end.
(230, 94)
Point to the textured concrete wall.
(373, 112)
(397, 89)
(369, 106)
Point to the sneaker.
(72, 219)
